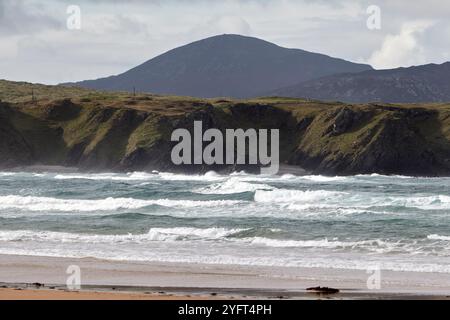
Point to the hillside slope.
(427, 83)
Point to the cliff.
(118, 132)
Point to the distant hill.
(427, 83)
(225, 66)
(13, 91)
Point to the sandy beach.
(30, 277)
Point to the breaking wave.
(30, 203)
(232, 185)
(154, 234)
(284, 195)
(438, 237)
(301, 200)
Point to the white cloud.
(402, 49)
(233, 24)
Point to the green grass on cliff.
(23, 91)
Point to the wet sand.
(32, 277)
(54, 294)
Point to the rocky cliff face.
(377, 139)
(122, 133)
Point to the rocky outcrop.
(14, 148)
(377, 139)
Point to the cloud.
(233, 24)
(220, 24)
(19, 17)
(402, 49)
(116, 35)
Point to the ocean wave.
(285, 195)
(359, 201)
(7, 174)
(187, 233)
(362, 263)
(30, 203)
(438, 237)
(141, 176)
(207, 177)
(131, 176)
(375, 244)
(231, 235)
(231, 186)
(319, 178)
(377, 175)
(154, 234)
(434, 202)
(226, 246)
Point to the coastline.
(284, 169)
(322, 138)
(36, 277)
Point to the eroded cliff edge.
(119, 132)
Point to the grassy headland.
(120, 131)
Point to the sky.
(48, 41)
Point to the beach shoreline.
(37, 277)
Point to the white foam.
(376, 175)
(209, 176)
(311, 199)
(288, 176)
(208, 233)
(7, 174)
(375, 244)
(432, 202)
(189, 233)
(285, 195)
(218, 258)
(30, 203)
(324, 178)
(438, 237)
(154, 234)
(223, 246)
(132, 176)
(418, 201)
(232, 185)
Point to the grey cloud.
(118, 34)
(24, 17)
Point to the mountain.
(225, 66)
(427, 83)
(104, 131)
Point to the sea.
(357, 222)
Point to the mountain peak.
(231, 37)
(233, 42)
(227, 65)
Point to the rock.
(343, 121)
(324, 290)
